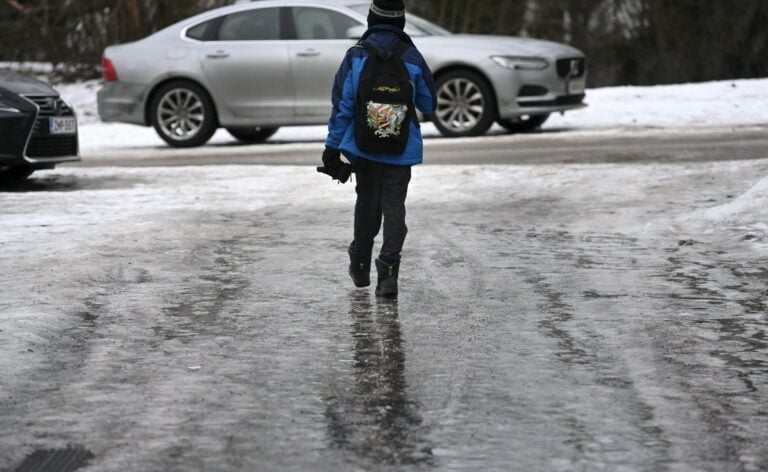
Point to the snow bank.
(733, 102)
(749, 208)
(745, 214)
(726, 103)
(82, 96)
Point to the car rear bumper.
(122, 103)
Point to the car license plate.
(62, 125)
(575, 87)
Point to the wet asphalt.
(546, 331)
(551, 146)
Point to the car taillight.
(108, 70)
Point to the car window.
(319, 23)
(253, 25)
(198, 32)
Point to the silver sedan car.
(253, 67)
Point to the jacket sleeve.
(343, 99)
(426, 97)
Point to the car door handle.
(218, 55)
(308, 53)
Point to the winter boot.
(359, 270)
(388, 272)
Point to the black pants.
(381, 191)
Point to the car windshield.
(414, 26)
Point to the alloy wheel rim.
(180, 114)
(460, 104)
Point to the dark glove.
(334, 167)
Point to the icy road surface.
(606, 317)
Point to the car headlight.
(521, 62)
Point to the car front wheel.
(254, 134)
(465, 104)
(524, 123)
(183, 114)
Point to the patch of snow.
(731, 102)
(748, 211)
(82, 97)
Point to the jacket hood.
(23, 84)
(382, 36)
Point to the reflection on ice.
(373, 417)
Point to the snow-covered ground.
(611, 317)
(162, 306)
(685, 106)
(668, 108)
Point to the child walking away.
(380, 83)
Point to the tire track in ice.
(718, 344)
(571, 273)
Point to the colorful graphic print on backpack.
(384, 108)
(386, 119)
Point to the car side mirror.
(356, 32)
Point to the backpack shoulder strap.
(397, 52)
(358, 45)
(372, 50)
(400, 48)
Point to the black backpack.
(384, 107)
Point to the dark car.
(37, 128)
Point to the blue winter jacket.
(341, 126)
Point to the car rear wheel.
(183, 114)
(465, 104)
(524, 123)
(254, 134)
